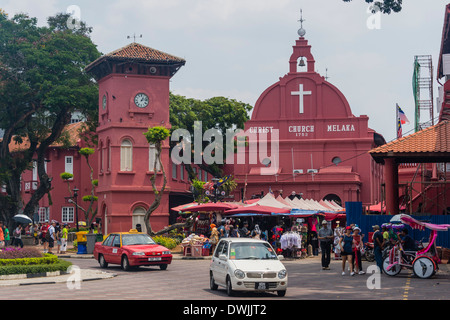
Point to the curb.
(32, 275)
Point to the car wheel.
(163, 266)
(281, 293)
(230, 291)
(212, 283)
(125, 264)
(102, 261)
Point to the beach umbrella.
(22, 219)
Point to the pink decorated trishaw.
(423, 262)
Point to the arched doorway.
(332, 197)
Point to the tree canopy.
(385, 6)
(215, 113)
(42, 81)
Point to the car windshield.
(251, 251)
(136, 239)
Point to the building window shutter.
(69, 165)
(126, 156)
(152, 157)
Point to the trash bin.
(90, 243)
(81, 242)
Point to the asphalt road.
(189, 280)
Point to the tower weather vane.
(301, 32)
(134, 37)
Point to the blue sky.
(238, 48)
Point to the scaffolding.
(423, 92)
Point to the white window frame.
(152, 154)
(44, 214)
(126, 155)
(67, 214)
(68, 166)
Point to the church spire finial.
(301, 32)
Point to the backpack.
(47, 235)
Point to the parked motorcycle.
(368, 251)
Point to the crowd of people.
(46, 234)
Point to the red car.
(131, 249)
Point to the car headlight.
(239, 274)
(166, 252)
(138, 253)
(282, 274)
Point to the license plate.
(154, 259)
(260, 286)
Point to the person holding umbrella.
(18, 236)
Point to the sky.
(238, 48)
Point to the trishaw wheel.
(424, 267)
(393, 271)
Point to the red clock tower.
(133, 96)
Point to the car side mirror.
(280, 257)
(223, 257)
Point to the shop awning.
(257, 209)
(211, 206)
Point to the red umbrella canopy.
(185, 206)
(257, 209)
(211, 206)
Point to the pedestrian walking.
(378, 246)
(51, 237)
(18, 236)
(234, 232)
(346, 244)
(244, 232)
(358, 246)
(44, 239)
(6, 235)
(58, 236)
(64, 237)
(214, 238)
(325, 237)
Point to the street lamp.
(75, 196)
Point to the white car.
(245, 264)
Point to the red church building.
(323, 147)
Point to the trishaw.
(423, 262)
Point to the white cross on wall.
(301, 94)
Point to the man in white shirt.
(51, 242)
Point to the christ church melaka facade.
(322, 147)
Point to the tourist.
(58, 236)
(51, 240)
(2, 237)
(18, 236)
(214, 237)
(64, 237)
(44, 230)
(358, 244)
(6, 235)
(338, 232)
(378, 246)
(256, 233)
(222, 231)
(233, 232)
(244, 232)
(346, 244)
(325, 237)
(407, 242)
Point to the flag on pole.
(401, 119)
(402, 115)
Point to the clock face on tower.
(141, 100)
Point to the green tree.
(42, 81)
(155, 136)
(215, 113)
(385, 6)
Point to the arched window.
(336, 160)
(126, 156)
(152, 157)
(138, 219)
